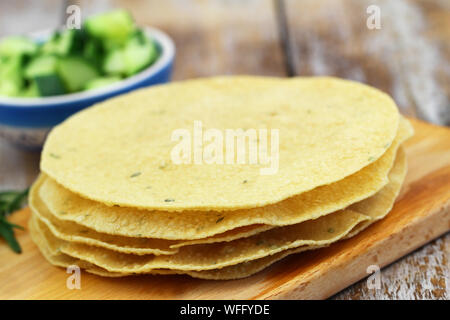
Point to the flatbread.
(74, 232)
(373, 208)
(71, 231)
(44, 240)
(384, 199)
(119, 151)
(322, 231)
(210, 226)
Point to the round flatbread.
(120, 151)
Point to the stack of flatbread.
(147, 183)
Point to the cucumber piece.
(110, 45)
(45, 80)
(17, 45)
(138, 55)
(41, 65)
(75, 72)
(9, 88)
(114, 26)
(11, 80)
(49, 85)
(114, 63)
(101, 82)
(64, 43)
(31, 91)
(140, 36)
(93, 52)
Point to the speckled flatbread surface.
(244, 256)
(119, 151)
(111, 200)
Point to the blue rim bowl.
(26, 121)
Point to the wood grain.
(421, 213)
(211, 37)
(18, 167)
(425, 274)
(25, 16)
(408, 57)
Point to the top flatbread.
(67, 206)
(119, 152)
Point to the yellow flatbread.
(372, 209)
(384, 199)
(321, 231)
(210, 226)
(72, 231)
(119, 152)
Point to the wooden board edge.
(412, 236)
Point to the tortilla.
(384, 199)
(44, 240)
(204, 226)
(318, 232)
(119, 151)
(71, 231)
(322, 231)
(373, 208)
(46, 243)
(55, 257)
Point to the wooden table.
(408, 58)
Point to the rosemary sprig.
(10, 201)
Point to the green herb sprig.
(11, 201)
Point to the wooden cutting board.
(421, 213)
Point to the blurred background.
(407, 55)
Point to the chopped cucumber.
(63, 43)
(140, 36)
(93, 52)
(11, 80)
(111, 45)
(101, 82)
(49, 85)
(10, 88)
(114, 63)
(41, 65)
(76, 72)
(114, 27)
(45, 79)
(138, 55)
(15, 46)
(108, 48)
(30, 92)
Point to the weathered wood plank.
(212, 37)
(18, 168)
(407, 57)
(24, 16)
(424, 274)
